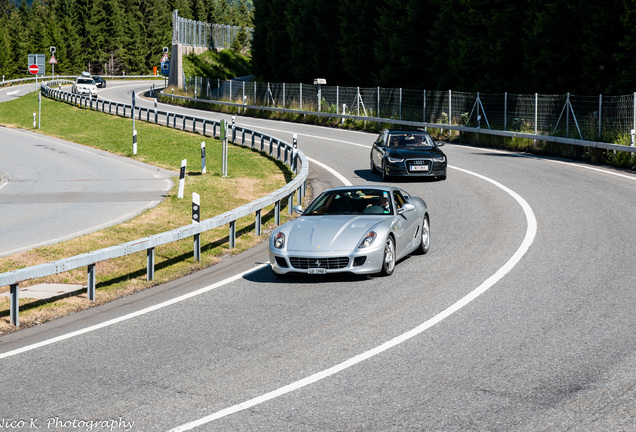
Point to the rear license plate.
(316, 271)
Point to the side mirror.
(439, 143)
(406, 208)
(298, 209)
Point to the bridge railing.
(265, 143)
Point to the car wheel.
(388, 260)
(425, 236)
(385, 177)
(372, 166)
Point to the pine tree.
(5, 48)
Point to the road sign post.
(52, 61)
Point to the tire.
(425, 237)
(372, 166)
(388, 260)
(385, 177)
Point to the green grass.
(223, 65)
(251, 176)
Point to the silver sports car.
(355, 229)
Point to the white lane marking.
(566, 163)
(531, 231)
(13, 92)
(339, 176)
(133, 314)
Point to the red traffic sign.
(52, 60)
(33, 69)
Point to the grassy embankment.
(251, 175)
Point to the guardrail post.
(91, 282)
(257, 222)
(232, 234)
(197, 247)
(150, 264)
(290, 203)
(15, 305)
(277, 213)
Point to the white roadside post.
(203, 164)
(182, 178)
(196, 218)
(223, 137)
(34, 121)
(133, 119)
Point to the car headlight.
(392, 159)
(441, 158)
(368, 239)
(279, 241)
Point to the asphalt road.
(520, 318)
(52, 190)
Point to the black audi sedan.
(408, 153)
(99, 81)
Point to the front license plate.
(419, 168)
(316, 271)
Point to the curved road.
(53, 190)
(487, 332)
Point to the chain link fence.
(600, 118)
(201, 34)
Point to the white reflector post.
(203, 166)
(196, 208)
(182, 178)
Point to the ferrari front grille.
(326, 263)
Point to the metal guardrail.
(282, 150)
(72, 77)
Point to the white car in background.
(85, 85)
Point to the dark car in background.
(99, 81)
(412, 153)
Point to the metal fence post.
(232, 234)
(277, 213)
(15, 305)
(257, 223)
(505, 125)
(91, 282)
(150, 264)
(600, 115)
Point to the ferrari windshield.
(410, 139)
(351, 201)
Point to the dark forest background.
(524, 46)
(105, 36)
